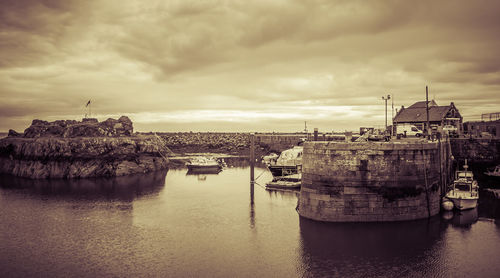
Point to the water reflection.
(125, 188)
(366, 249)
(202, 172)
(465, 218)
(180, 225)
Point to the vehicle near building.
(408, 130)
(451, 130)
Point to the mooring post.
(315, 134)
(440, 160)
(252, 166)
(252, 156)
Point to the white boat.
(286, 182)
(495, 173)
(288, 163)
(203, 164)
(464, 190)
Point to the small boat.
(464, 190)
(286, 182)
(494, 173)
(269, 159)
(288, 163)
(204, 164)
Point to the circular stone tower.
(370, 181)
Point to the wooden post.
(440, 160)
(315, 134)
(252, 167)
(252, 157)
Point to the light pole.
(386, 99)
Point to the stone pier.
(371, 181)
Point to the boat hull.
(283, 185)
(203, 169)
(463, 203)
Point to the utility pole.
(392, 114)
(427, 110)
(386, 99)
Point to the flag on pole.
(87, 103)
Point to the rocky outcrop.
(88, 127)
(73, 149)
(50, 157)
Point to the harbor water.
(174, 224)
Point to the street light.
(386, 99)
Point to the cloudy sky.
(244, 65)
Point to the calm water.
(177, 225)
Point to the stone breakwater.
(362, 182)
(199, 142)
(74, 149)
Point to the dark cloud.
(35, 32)
(338, 57)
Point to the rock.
(39, 122)
(13, 133)
(90, 120)
(88, 127)
(127, 126)
(79, 157)
(35, 131)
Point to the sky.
(240, 66)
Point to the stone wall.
(370, 181)
(279, 142)
(476, 150)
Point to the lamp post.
(386, 99)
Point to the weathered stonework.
(370, 181)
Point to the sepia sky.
(244, 65)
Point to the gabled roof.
(421, 104)
(436, 113)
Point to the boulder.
(35, 131)
(83, 130)
(39, 122)
(13, 133)
(90, 120)
(126, 128)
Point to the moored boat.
(464, 190)
(204, 164)
(286, 182)
(493, 173)
(288, 163)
